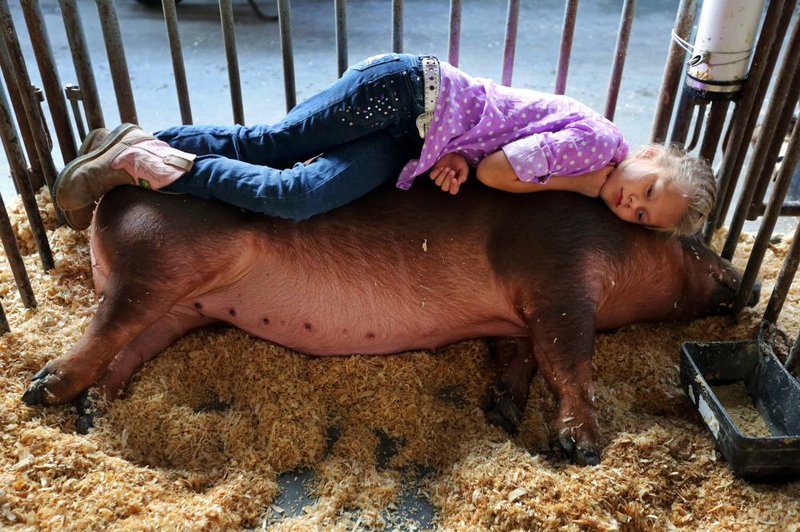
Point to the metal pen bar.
(785, 93)
(784, 280)
(568, 31)
(683, 118)
(734, 153)
(698, 125)
(510, 44)
(397, 26)
(36, 176)
(115, 50)
(229, 38)
(29, 99)
(752, 116)
(794, 356)
(715, 121)
(285, 23)
(16, 163)
(4, 327)
(672, 71)
(178, 67)
(453, 49)
(778, 132)
(620, 53)
(340, 8)
(82, 63)
(15, 260)
(759, 248)
(49, 74)
(73, 95)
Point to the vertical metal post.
(570, 14)
(340, 7)
(784, 280)
(120, 75)
(752, 96)
(620, 52)
(229, 38)
(178, 68)
(510, 45)
(29, 100)
(83, 64)
(49, 74)
(683, 119)
(15, 260)
(16, 162)
(4, 328)
(453, 49)
(397, 26)
(285, 24)
(790, 161)
(714, 124)
(672, 71)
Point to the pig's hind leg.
(131, 303)
(508, 396)
(143, 348)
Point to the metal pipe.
(285, 24)
(178, 67)
(698, 125)
(15, 94)
(570, 14)
(713, 129)
(73, 95)
(687, 11)
(510, 45)
(115, 50)
(786, 91)
(759, 248)
(29, 99)
(397, 26)
(784, 280)
(620, 52)
(794, 357)
(82, 63)
(340, 8)
(16, 163)
(772, 32)
(229, 38)
(455, 32)
(4, 327)
(49, 74)
(683, 119)
(15, 260)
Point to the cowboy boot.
(127, 156)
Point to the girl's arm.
(495, 171)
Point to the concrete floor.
(369, 32)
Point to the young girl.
(397, 114)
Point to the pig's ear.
(648, 152)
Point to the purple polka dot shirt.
(542, 134)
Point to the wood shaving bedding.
(203, 431)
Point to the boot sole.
(84, 149)
(114, 136)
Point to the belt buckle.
(423, 122)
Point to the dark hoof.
(84, 423)
(501, 410)
(37, 392)
(580, 454)
(87, 412)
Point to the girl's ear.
(648, 152)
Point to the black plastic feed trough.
(769, 448)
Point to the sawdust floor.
(213, 432)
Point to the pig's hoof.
(87, 412)
(37, 392)
(580, 454)
(84, 423)
(500, 408)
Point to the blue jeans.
(358, 133)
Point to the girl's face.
(639, 191)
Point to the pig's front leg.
(508, 396)
(128, 308)
(563, 344)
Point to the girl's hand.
(450, 172)
(592, 182)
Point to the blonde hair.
(695, 179)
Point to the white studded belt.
(430, 73)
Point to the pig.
(395, 271)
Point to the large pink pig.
(393, 272)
